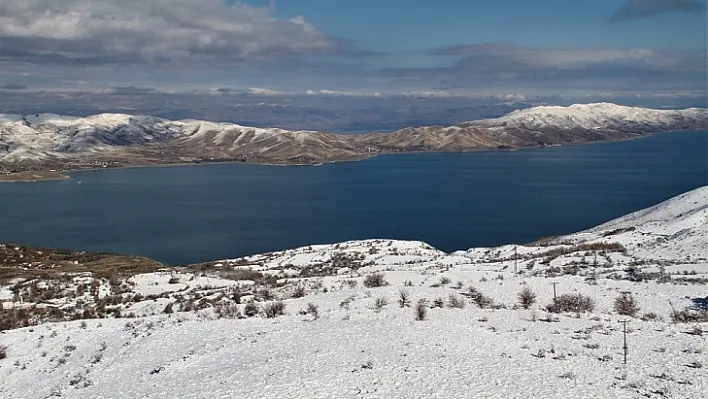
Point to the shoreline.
(66, 174)
(171, 164)
(34, 177)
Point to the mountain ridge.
(50, 141)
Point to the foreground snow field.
(184, 333)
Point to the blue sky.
(362, 47)
(410, 25)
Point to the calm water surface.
(188, 214)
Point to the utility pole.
(555, 298)
(624, 331)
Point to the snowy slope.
(363, 344)
(33, 137)
(48, 135)
(41, 136)
(688, 210)
(674, 229)
(601, 116)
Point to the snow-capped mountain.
(135, 138)
(545, 125)
(41, 136)
(601, 116)
(47, 136)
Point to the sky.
(505, 49)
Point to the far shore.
(33, 176)
(39, 176)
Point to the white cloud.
(430, 93)
(325, 92)
(502, 67)
(109, 31)
(509, 97)
(503, 58)
(265, 92)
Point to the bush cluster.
(572, 303)
(626, 305)
(274, 309)
(374, 280)
(527, 297)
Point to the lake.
(186, 214)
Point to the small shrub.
(227, 311)
(690, 316)
(345, 303)
(577, 303)
(379, 304)
(236, 296)
(421, 309)
(445, 280)
(3, 352)
(626, 305)
(266, 295)
(527, 297)
(168, 308)
(651, 316)
(173, 280)
(438, 303)
(404, 299)
(251, 309)
(695, 331)
(408, 283)
(313, 310)
(455, 302)
(479, 299)
(299, 292)
(374, 280)
(569, 375)
(274, 309)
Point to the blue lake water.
(186, 214)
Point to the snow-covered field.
(185, 333)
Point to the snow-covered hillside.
(34, 138)
(383, 318)
(601, 116)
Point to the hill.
(375, 318)
(48, 142)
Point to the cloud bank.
(563, 68)
(151, 31)
(639, 9)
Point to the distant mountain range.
(43, 141)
